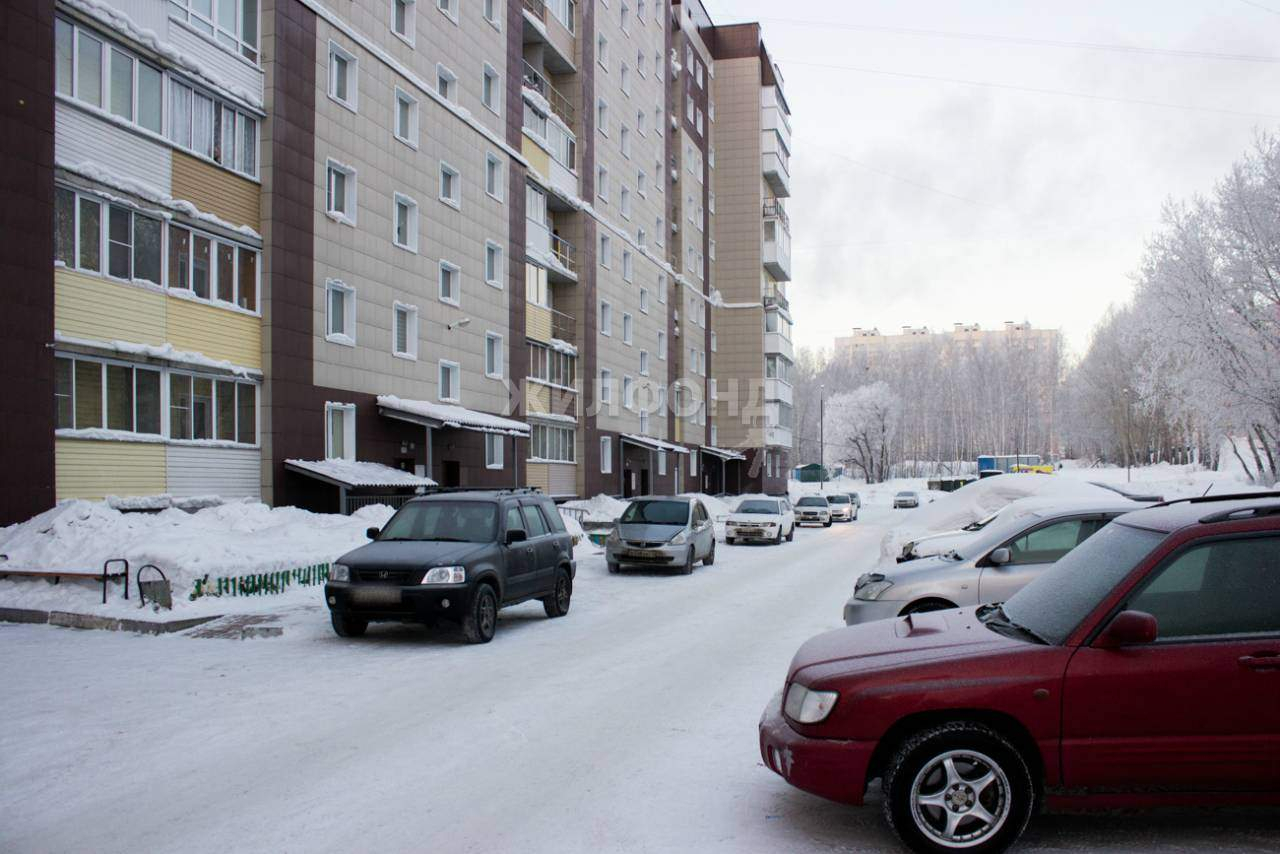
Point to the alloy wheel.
(960, 799)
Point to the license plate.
(376, 595)
(640, 553)
(750, 532)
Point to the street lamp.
(822, 434)
(1128, 438)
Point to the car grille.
(389, 576)
(641, 544)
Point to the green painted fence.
(262, 583)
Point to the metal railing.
(563, 326)
(355, 502)
(775, 210)
(566, 253)
(537, 7)
(773, 296)
(560, 105)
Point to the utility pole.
(822, 436)
(1128, 437)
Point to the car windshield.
(838, 499)
(1057, 601)
(758, 507)
(656, 513)
(812, 501)
(906, 495)
(443, 521)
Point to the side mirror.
(372, 533)
(1000, 556)
(516, 536)
(1128, 628)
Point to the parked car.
(906, 498)
(457, 556)
(842, 507)
(857, 502)
(813, 510)
(1142, 669)
(941, 543)
(993, 565)
(662, 531)
(761, 519)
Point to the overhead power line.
(1037, 42)
(913, 183)
(1260, 6)
(1034, 89)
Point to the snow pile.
(572, 526)
(601, 508)
(360, 473)
(228, 540)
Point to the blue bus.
(990, 464)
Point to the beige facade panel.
(215, 190)
(99, 309)
(94, 470)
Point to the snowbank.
(227, 540)
(601, 508)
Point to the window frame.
(489, 73)
(410, 15)
(350, 190)
(446, 74)
(411, 139)
(352, 102)
(493, 451)
(348, 430)
(347, 337)
(606, 455)
(605, 321)
(492, 160)
(454, 370)
(453, 201)
(411, 330)
(492, 246)
(455, 277)
(412, 226)
(499, 371)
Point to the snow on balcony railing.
(560, 105)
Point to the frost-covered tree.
(863, 424)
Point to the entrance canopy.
(448, 416)
(354, 474)
(654, 444)
(722, 453)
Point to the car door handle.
(1266, 660)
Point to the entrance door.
(1198, 709)
(644, 481)
(451, 473)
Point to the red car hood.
(913, 639)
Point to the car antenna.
(1206, 491)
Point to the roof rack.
(496, 490)
(1241, 512)
(1234, 496)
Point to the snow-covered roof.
(723, 453)
(557, 417)
(353, 473)
(450, 415)
(656, 444)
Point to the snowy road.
(630, 725)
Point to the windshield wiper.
(995, 618)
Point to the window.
(402, 19)
(493, 355)
(602, 51)
(606, 385)
(450, 185)
(662, 346)
(340, 431)
(89, 394)
(624, 78)
(640, 63)
(448, 379)
(644, 363)
(693, 462)
(231, 23)
(606, 251)
(535, 204)
(662, 463)
(713, 342)
(624, 141)
(640, 122)
(628, 265)
(490, 12)
(1222, 587)
(493, 453)
(628, 392)
(712, 248)
(659, 238)
(606, 318)
(211, 129)
(449, 285)
(449, 7)
(606, 455)
(642, 237)
(642, 183)
(698, 73)
(602, 117)
(343, 82)
(133, 245)
(624, 202)
(446, 83)
(602, 184)
(406, 118)
(492, 264)
(711, 390)
(644, 420)
(493, 176)
(197, 261)
(662, 288)
(404, 330)
(535, 285)
(688, 109)
(699, 123)
(644, 300)
(551, 444)
(340, 323)
(491, 89)
(406, 223)
(555, 367)
(627, 328)
(340, 192)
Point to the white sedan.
(768, 520)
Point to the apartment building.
(870, 343)
(316, 253)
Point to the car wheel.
(687, 569)
(613, 566)
(711, 555)
(728, 541)
(826, 524)
(347, 627)
(926, 605)
(958, 786)
(791, 535)
(557, 604)
(777, 541)
(481, 622)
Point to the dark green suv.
(459, 557)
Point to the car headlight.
(613, 536)
(871, 586)
(339, 572)
(680, 538)
(445, 575)
(809, 707)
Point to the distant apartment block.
(871, 343)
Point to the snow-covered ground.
(629, 725)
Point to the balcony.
(542, 323)
(774, 114)
(774, 343)
(560, 105)
(774, 296)
(777, 437)
(777, 163)
(553, 24)
(776, 389)
(776, 251)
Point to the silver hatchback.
(991, 566)
(665, 531)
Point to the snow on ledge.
(164, 352)
(656, 444)
(357, 473)
(459, 417)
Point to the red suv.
(1143, 669)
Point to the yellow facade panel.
(538, 158)
(216, 332)
(100, 309)
(538, 474)
(537, 322)
(537, 398)
(216, 191)
(93, 469)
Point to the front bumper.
(858, 611)
(830, 768)
(754, 532)
(374, 602)
(843, 515)
(663, 555)
(813, 518)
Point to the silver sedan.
(993, 565)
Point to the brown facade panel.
(215, 190)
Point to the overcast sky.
(927, 202)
